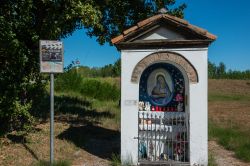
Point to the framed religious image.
(51, 56)
(160, 86)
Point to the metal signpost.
(51, 61)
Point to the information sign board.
(51, 56)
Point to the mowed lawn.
(229, 115)
(88, 130)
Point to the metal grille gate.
(163, 138)
(163, 128)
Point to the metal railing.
(163, 137)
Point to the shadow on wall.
(96, 140)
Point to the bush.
(92, 87)
(16, 117)
(99, 90)
(19, 103)
(68, 81)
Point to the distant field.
(229, 114)
(229, 103)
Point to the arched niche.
(165, 57)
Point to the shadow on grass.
(21, 139)
(73, 110)
(70, 109)
(96, 140)
(83, 130)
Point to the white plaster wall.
(197, 103)
(162, 33)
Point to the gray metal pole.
(51, 118)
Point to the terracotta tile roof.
(175, 20)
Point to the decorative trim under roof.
(150, 44)
(203, 37)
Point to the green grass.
(226, 97)
(73, 103)
(115, 160)
(110, 80)
(211, 160)
(56, 163)
(232, 139)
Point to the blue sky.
(228, 19)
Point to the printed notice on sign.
(51, 56)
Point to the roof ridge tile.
(174, 19)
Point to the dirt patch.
(224, 157)
(223, 86)
(230, 114)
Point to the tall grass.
(232, 139)
(99, 90)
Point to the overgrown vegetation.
(96, 88)
(111, 70)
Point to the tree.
(24, 22)
(211, 70)
(118, 15)
(221, 70)
(117, 68)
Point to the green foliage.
(24, 22)
(70, 80)
(90, 87)
(18, 117)
(231, 139)
(111, 70)
(219, 72)
(99, 90)
(118, 15)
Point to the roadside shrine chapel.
(164, 92)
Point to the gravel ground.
(224, 157)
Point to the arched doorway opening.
(163, 115)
